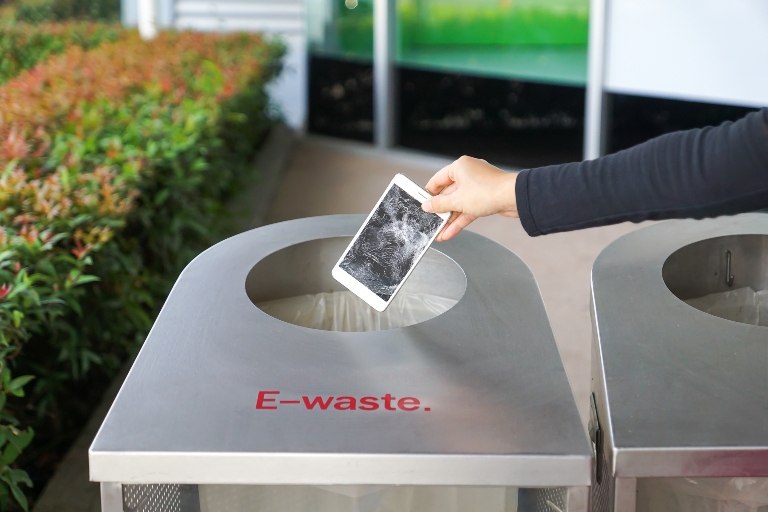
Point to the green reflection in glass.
(341, 28)
(493, 22)
(538, 40)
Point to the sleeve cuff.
(524, 205)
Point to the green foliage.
(23, 46)
(116, 163)
(39, 11)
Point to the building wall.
(285, 19)
(700, 50)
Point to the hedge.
(114, 167)
(37, 11)
(23, 45)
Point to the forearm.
(692, 174)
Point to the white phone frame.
(356, 286)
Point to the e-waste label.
(270, 400)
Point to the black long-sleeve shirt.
(690, 174)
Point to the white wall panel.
(705, 50)
(284, 16)
(280, 18)
(237, 23)
(288, 10)
(289, 90)
(129, 12)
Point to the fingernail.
(427, 206)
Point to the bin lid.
(477, 395)
(681, 392)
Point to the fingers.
(440, 180)
(443, 203)
(452, 229)
(429, 206)
(450, 189)
(452, 218)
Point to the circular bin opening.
(726, 277)
(295, 285)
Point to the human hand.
(470, 188)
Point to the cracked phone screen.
(396, 234)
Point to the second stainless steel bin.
(678, 392)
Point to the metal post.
(593, 118)
(625, 495)
(577, 499)
(147, 19)
(384, 13)
(111, 497)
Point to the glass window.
(341, 28)
(536, 40)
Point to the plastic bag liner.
(740, 305)
(702, 495)
(303, 498)
(344, 311)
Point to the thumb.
(439, 204)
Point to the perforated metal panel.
(160, 498)
(185, 498)
(601, 494)
(551, 499)
(155, 498)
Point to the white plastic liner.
(702, 495)
(344, 311)
(740, 305)
(301, 498)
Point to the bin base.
(186, 498)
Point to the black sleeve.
(689, 174)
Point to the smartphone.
(390, 243)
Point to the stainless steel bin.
(677, 392)
(218, 394)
